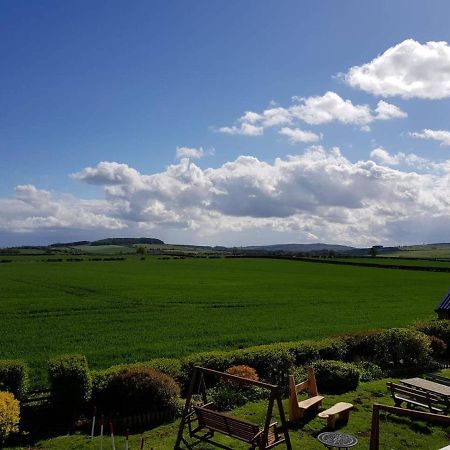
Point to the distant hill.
(317, 247)
(127, 241)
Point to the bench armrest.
(260, 432)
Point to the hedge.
(438, 328)
(336, 377)
(14, 377)
(9, 415)
(70, 381)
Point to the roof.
(444, 304)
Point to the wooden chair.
(297, 408)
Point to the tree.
(140, 250)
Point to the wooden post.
(186, 408)
(265, 435)
(283, 420)
(293, 402)
(312, 384)
(375, 430)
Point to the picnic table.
(427, 385)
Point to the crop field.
(135, 310)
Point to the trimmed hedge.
(133, 390)
(70, 381)
(14, 377)
(336, 377)
(438, 328)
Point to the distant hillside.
(317, 247)
(127, 241)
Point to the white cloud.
(188, 152)
(409, 69)
(316, 110)
(387, 111)
(442, 136)
(296, 135)
(317, 193)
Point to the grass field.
(397, 261)
(133, 310)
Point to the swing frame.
(198, 378)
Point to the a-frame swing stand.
(203, 420)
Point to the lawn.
(133, 310)
(395, 433)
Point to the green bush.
(302, 352)
(134, 390)
(369, 371)
(336, 377)
(400, 348)
(228, 397)
(360, 346)
(332, 348)
(14, 377)
(70, 381)
(273, 363)
(438, 328)
(438, 347)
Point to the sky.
(223, 122)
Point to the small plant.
(9, 415)
(369, 371)
(243, 371)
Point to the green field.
(397, 261)
(133, 310)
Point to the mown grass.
(395, 433)
(133, 310)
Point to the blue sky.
(129, 82)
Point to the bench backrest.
(413, 394)
(231, 426)
(438, 379)
(309, 385)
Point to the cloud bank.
(318, 194)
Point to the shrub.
(438, 346)
(401, 347)
(9, 415)
(302, 352)
(133, 390)
(336, 377)
(14, 377)
(360, 346)
(70, 381)
(243, 371)
(369, 371)
(273, 362)
(438, 328)
(332, 348)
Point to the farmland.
(131, 310)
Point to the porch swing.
(204, 420)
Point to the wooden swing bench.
(243, 430)
(203, 420)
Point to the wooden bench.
(248, 432)
(297, 408)
(438, 379)
(341, 409)
(414, 398)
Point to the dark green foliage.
(134, 390)
(438, 328)
(400, 348)
(302, 352)
(360, 346)
(369, 371)
(227, 397)
(14, 377)
(438, 347)
(70, 381)
(336, 377)
(332, 348)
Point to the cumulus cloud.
(296, 135)
(442, 136)
(316, 193)
(188, 152)
(315, 110)
(409, 70)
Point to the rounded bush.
(70, 382)
(9, 414)
(243, 371)
(369, 371)
(135, 390)
(336, 377)
(401, 347)
(438, 347)
(438, 328)
(332, 348)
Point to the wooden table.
(427, 385)
(337, 440)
